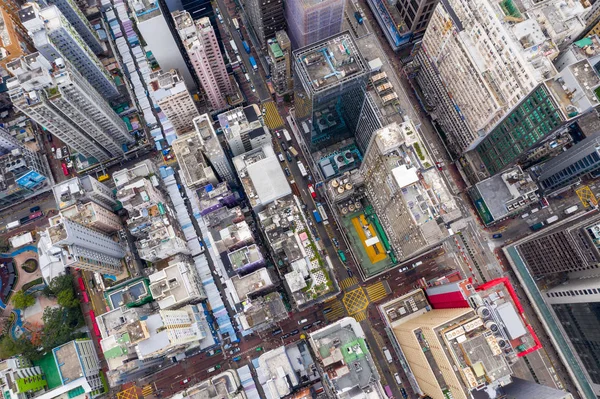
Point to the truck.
(235, 23)
(234, 47)
(253, 63)
(571, 209)
(58, 153)
(287, 136)
(302, 169)
(293, 151)
(322, 211)
(552, 219)
(317, 216)
(342, 255)
(13, 225)
(358, 17)
(246, 47)
(387, 354)
(294, 187)
(537, 226)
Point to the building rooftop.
(82, 189)
(245, 257)
(277, 220)
(252, 283)
(329, 63)
(175, 285)
(263, 312)
(222, 385)
(68, 367)
(144, 9)
(342, 350)
(261, 175)
(276, 373)
(166, 83)
(189, 152)
(239, 120)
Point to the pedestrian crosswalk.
(376, 291)
(360, 316)
(147, 390)
(337, 310)
(272, 118)
(348, 282)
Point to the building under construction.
(310, 21)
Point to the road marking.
(348, 282)
(360, 316)
(376, 291)
(129, 393)
(272, 118)
(147, 390)
(355, 301)
(337, 311)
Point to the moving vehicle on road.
(237, 358)
(281, 158)
(311, 190)
(342, 255)
(294, 332)
(34, 209)
(552, 219)
(302, 168)
(537, 226)
(234, 47)
(64, 168)
(293, 151)
(571, 209)
(322, 211)
(104, 177)
(184, 381)
(276, 332)
(388, 392)
(287, 136)
(246, 46)
(387, 354)
(247, 77)
(497, 236)
(253, 63)
(287, 172)
(258, 349)
(306, 327)
(358, 17)
(235, 23)
(49, 137)
(317, 216)
(397, 378)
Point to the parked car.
(237, 358)
(287, 172)
(184, 381)
(276, 332)
(302, 321)
(278, 134)
(292, 333)
(349, 272)
(49, 137)
(306, 327)
(258, 349)
(284, 336)
(316, 323)
(497, 236)
(34, 209)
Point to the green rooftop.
(350, 355)
(276, 50)
(76, 392)
(586, 41)
(31, 384)
(50, 370)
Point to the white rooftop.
(405, 176)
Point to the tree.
(67, 299)
(4, 246)
(21, 300)
(22, 346)
(286, 98)
(59, 325)
(61, 283)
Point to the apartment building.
(416, 14)
(85, 248)
(201, 45)
(266, 17)
(213, 150)
(94, 216)
(54, 37)
(244, 129)
(80, 23)
(57, 97)
(189, 152)
(176, 285)
(79, 190)
(280, 53)
(311, 21)
(14, 40)
(174, 99)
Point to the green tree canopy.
(21, 300)
(10, 347)
(61, 283)
(67, 299)
(59, 325)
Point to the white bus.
(302, 169)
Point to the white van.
(247, 77)
(302, 321)
(398, 380)
(524, 216)
(534, 210)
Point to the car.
(49, 137)
(316, 323)
(287, 172)
(284, 336)
(244, 68)
(237, 358)
(283, 146)
(439, 165)
(34, 209)
(258, 349)
(335, 242)
(253, 89)
(302, 321)
(403, 392)
(398, 380)
(294, 332)
(277, 332)
(184, 381)
(234, 350)
(497, 236)
(278, 134)
(349, 272)
(306, 327)
(327, 310)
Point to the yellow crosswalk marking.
(348, 282)
(128, 393)
(360, 316)
(147, 390)
(337, 311)
(272, 118)
(376, 291)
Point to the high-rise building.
(280, 53)
(189, 152)
(489, 78)
(566, 167)
(576, 306)
(14, 40)
(416, 14)
(54, 37)
(243, 129)
(203, 50)
(571, 246)
(267, 17)
(80, 23)
(174, 99)
(85, 248)
(58, 98)
(311, 21)
(25, 173)
(330, 80)
(81, 190)
(94, 216)
(154, 28)
(213, 150)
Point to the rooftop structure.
(14, 40)
(277, 221)
(86, 248)
(54, 37)
(190, 156)
(139, 194)
(246, 258)
(200, 42)
(170, 93)
(242, 288)
(280, 53)
(266, 18)
(263, 312)
(341, 350)
(24, 173)
(330, 81)
(176, 285)
(213, 150)
(80, 190)
(503, 195)
(94, 216)
(276, 373)
(244, 129)
(212, 198)
(262, 177)
(59, 98)
(222, 385)
(141, 169)
(311, 21)
(130, 293)
(154, 28)
(72, 13)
